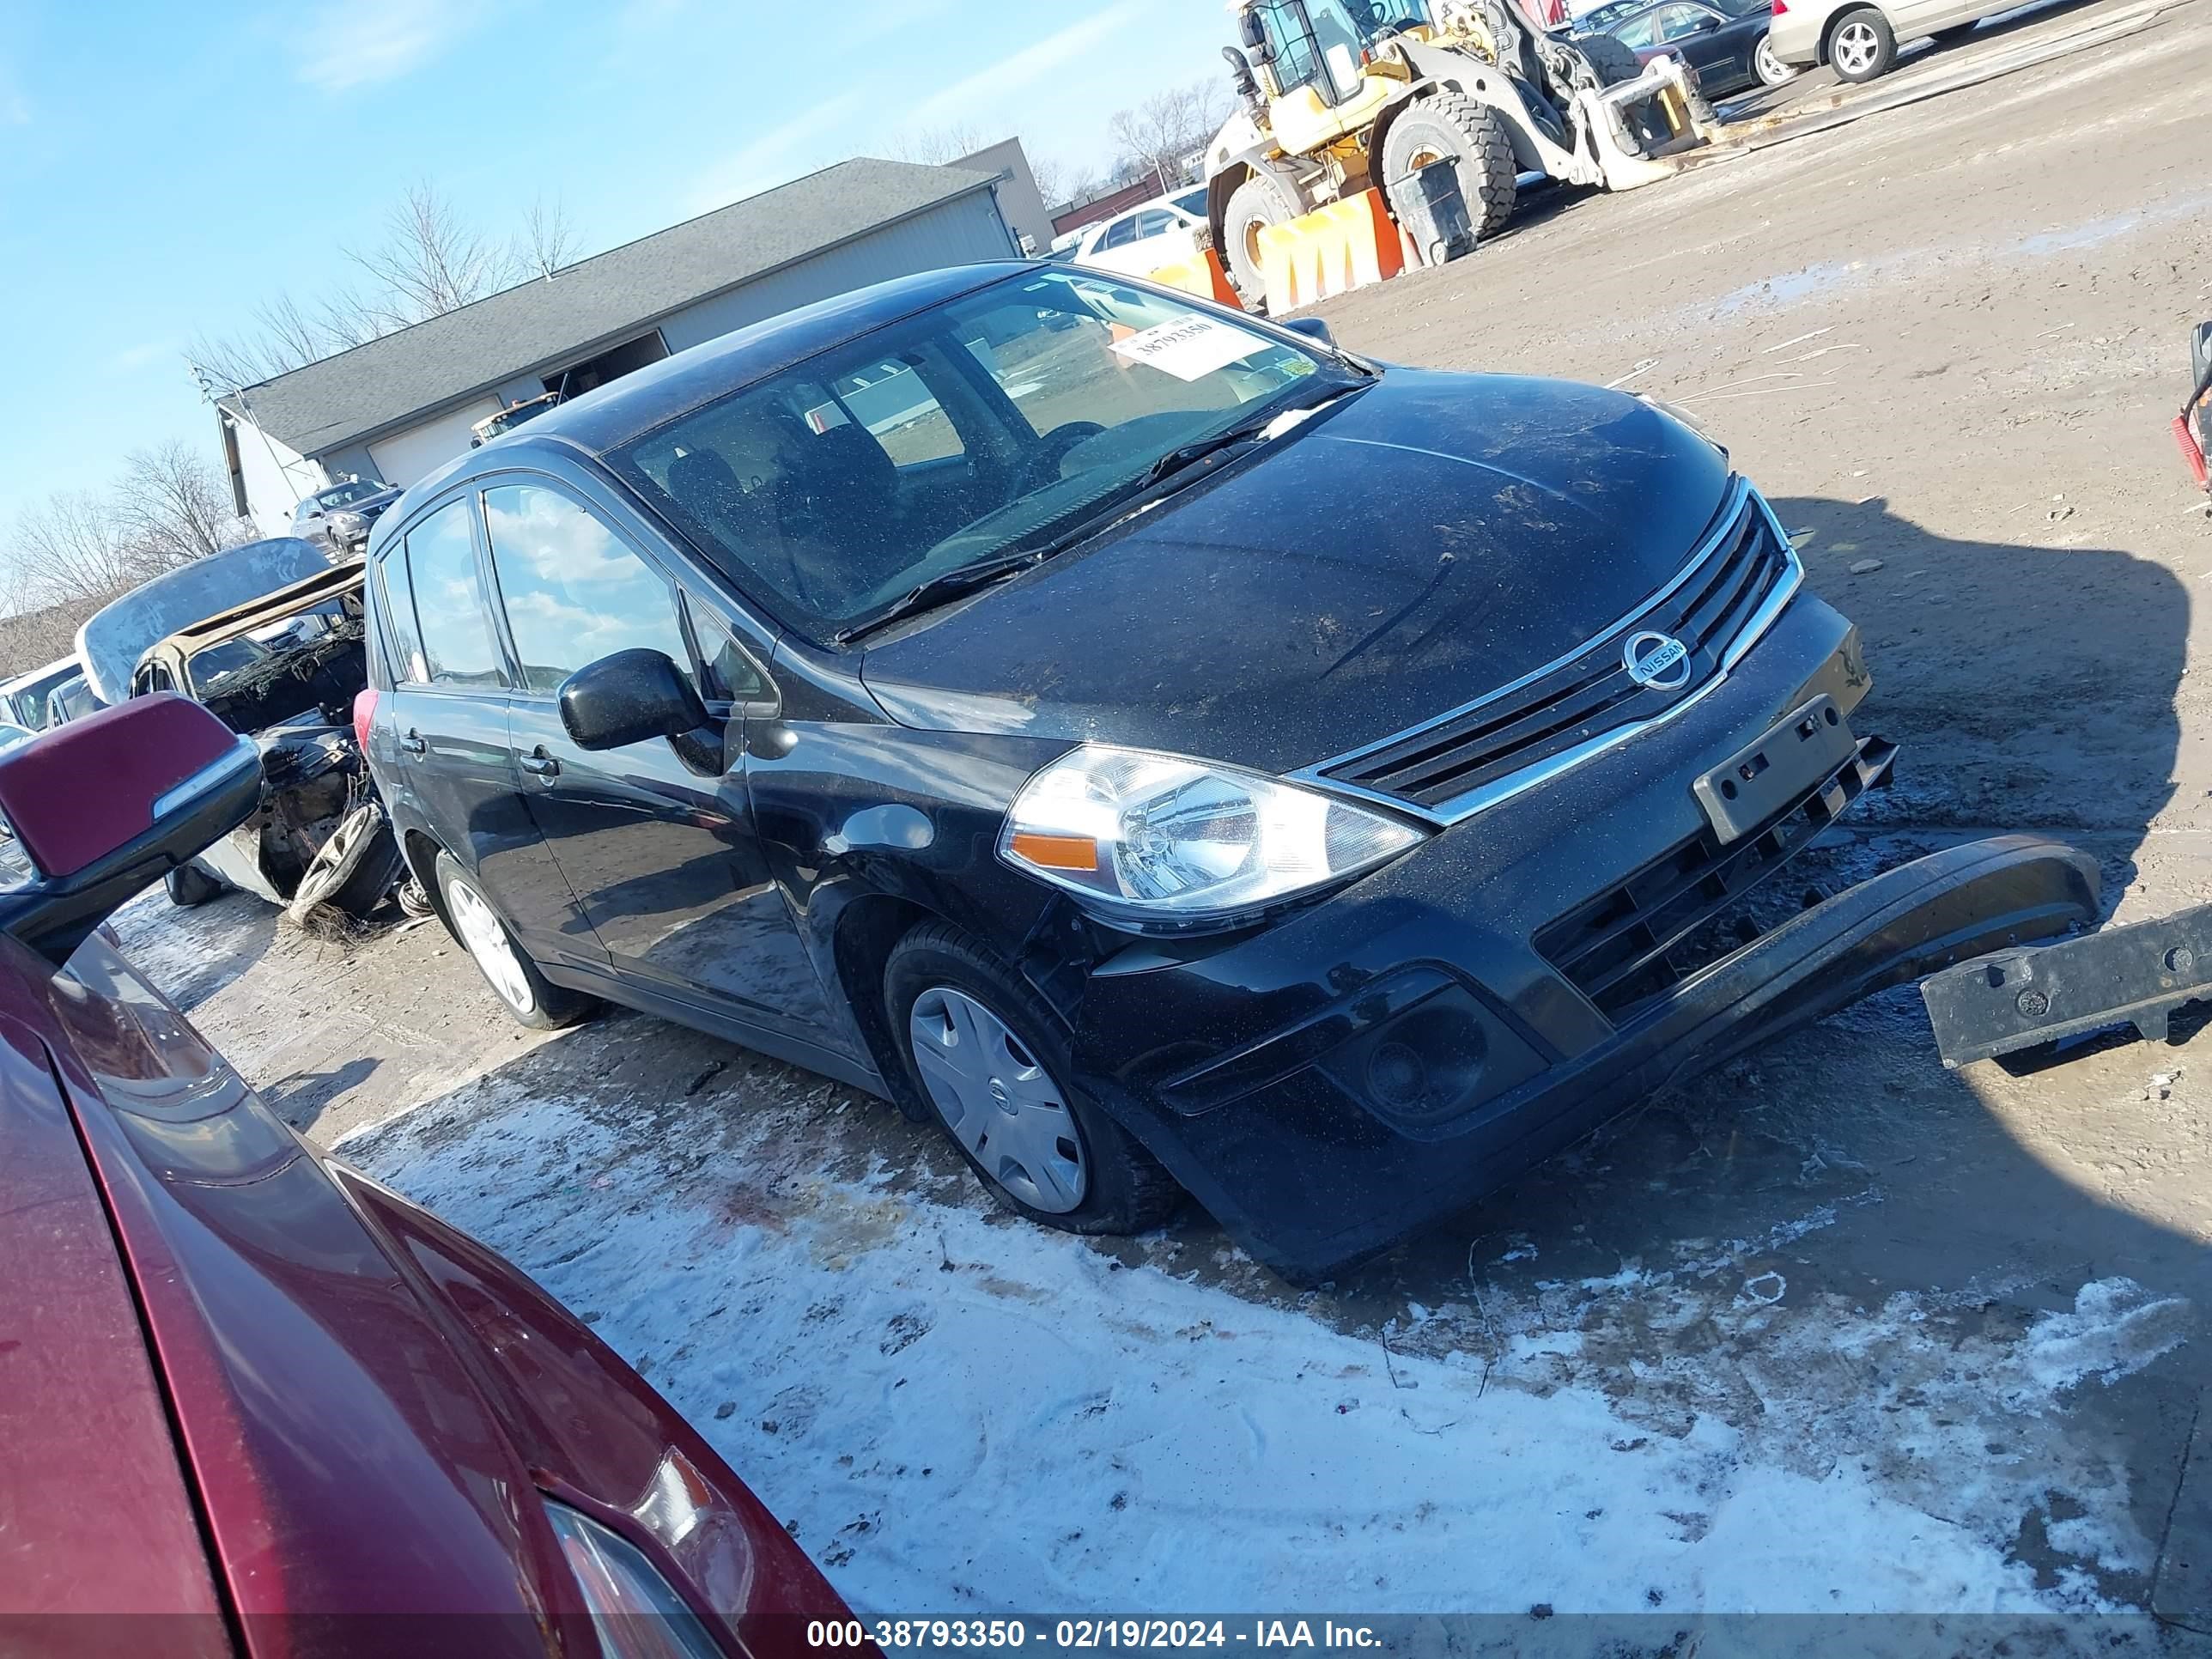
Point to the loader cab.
(1315, 65)
(1323, 45)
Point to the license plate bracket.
(1762, 778)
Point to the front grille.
(1637, 940)
(1587, 697)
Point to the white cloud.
(358, 43)
(989, 89)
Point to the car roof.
(33, 676)
(113, 639)
(610, 415)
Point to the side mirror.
(1313, 328)
(1705, 24)
(171, 780)
(627, 698)
(1254, 33)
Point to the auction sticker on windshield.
(1189, 346)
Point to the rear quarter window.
(403, 642)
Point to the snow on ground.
(954, 1410)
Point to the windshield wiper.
(1269, 423)
(948, 585)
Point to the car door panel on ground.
(449, 724)
(661, 856)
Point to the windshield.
(346, 495)
(979, 429)
(30, 698)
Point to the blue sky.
(163, 168)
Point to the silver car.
(1860, 40)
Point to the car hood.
(1432, 539)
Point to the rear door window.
(451, 614)
(573, 591)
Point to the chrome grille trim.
(1741, 498)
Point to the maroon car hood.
(371, 1405)
(86, 1455)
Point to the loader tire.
(1612, 60)
(1452, 124)
(1259, 200)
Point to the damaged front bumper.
(319, 830)
(1327, 1084)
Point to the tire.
(353, 870)
(1614, 61)
(528, 996)
(1771, 70)
(1019, 1121)
(1259, 200)
(1863, 45)
(1451, 124)
(189, 886)
(414, 900)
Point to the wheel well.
(868, 932)
(422, 855)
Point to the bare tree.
(171, 508)
(431, 259)
(935, 146)
(1158, 136)
(545, 243)
(69, 556)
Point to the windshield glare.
(978, 429)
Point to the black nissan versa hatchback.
(1167, 751)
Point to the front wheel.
(1259, 201)
(1863, 46)
(989, 1058)
(1771, 70)
(1450, 126)
(528, 996)
(189, 886)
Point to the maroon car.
(246, 1388)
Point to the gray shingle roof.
(594, 302)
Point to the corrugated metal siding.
(959, 233)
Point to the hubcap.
(1856, 46)
(997, 1100)
(1771, 70)
(480, 930)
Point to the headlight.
(636, 1611)
(1161, 842)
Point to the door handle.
(414, 743)
(539, 764)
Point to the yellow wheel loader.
(1342, 96)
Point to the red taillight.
(1780, 6)
(364, 711)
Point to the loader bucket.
(1645, 128)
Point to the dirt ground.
(1947, 340)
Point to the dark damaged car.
(1169, 752)
(283, 668)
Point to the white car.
(1166, 231)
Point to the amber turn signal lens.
(1055, 851)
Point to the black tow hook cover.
(2133, 975)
